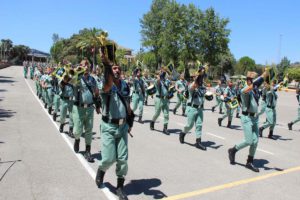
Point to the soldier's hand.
(98, 111)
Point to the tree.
(213, 37)
(245, 64)
(283, 65)
(152, 25)
(19, 53)
(6, 46)
(294, 73)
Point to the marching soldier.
(162, 101)
(219, 101)
(263, 101)
(271, 100)
(37, 76)
(138, 95)
(147, 80)
(117, 120)
(180, 86)
(48, 95)
(238, 95)
(56, 97)
(66, 103)
(249, 119)
(195, 104)
(83, 111)
(290, 125)
(25, 68)
(229, 96)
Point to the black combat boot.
(213, 109)
(270, 136)
(181, 137)
(152, 125)
(229, 124)
(220, 121)
(50, 110)
(165, 130)
(220, 112)
(71, 132)
(146, 103)
(76, 145)
(290, 125)
(250, 165)
(99, 177)
(199, 145)
(183, 111)
(45, 105)
(260, 131)
(140, 120)
(61, 128)
(231, 155)
(237, 115)
(120, 189)
(87, 154)
(174, 111)
(54, 116)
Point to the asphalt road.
(37, 162)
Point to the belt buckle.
(121, 121)
(70, 98)
(85, 105)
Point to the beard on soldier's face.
(116, 75)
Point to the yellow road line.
(231, 184)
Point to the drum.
(209, 96)
(151, 90)
(233, 104)
(222, 97)
(171, 92)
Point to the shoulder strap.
(89, 87)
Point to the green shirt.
(249, 103)
(196, 97)
(271, 98)
(117, 108)
(162, 89)
(138, 85)
(67, 90)
(82, 93)
(181, 85)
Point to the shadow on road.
(141, 186)
(208, 144)
(260, 163)
(6, 114)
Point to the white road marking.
(222, 138)
(268, 152)
(82, 160)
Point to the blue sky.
(256, 25)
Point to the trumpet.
(108, 49)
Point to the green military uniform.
(230, 92)
(290, 125)
(114, 130)
(271, 100)
(161, 103)
(138, 96)
(219, 101)
(66, 104)
(38, 87)
(249, 120)
(181, 85)
(32, 67)
(25, 69)
(146, 83)
(56, 97)
(83, 113)
(263, 102)
(195, 114)
(48, 92)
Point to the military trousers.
(298, 118)
(49, 96)
(56, 102)
(114, 147)
(25, 72)
(228, 113)
(219, 103)
(262, 108)
(180, 100)
(271, 118)
(83, 118)
(138, 102)
(194, 116)
(161, 104)
(66, 105)
(250, 127)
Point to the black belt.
(84, 105)
(272, 107)
(114, 121)
(195, 106)
(162, 97)
(66, 98)
(247, 113)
